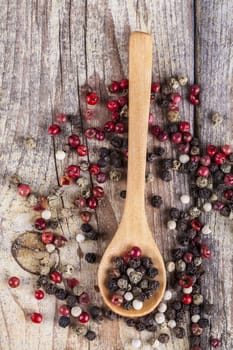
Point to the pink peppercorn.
(54, 129)
(24, 190)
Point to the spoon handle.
(140, 71)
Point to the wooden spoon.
(133, 229)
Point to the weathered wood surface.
(48, 51)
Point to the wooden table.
(48, 51)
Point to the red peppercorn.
(205, 160)
(24, 190)
(187, 299)
(90, 133)
(59, 241)
(135, 252)
(163, 136)
(176, 137)
(228, 179)
(72, 282)
(74, 141)
(13, 282)
(117, 299)
(65, 181)
(92, 98)
(85, 216)
(122, 100)
(54, 129)
(220, 158)
(176, 98)
(115, 117)
(64, 310)
(36, 317)
(109, 126)
(173, 107)
(188, 257)
(112, 105)
(126, 257)
(195, 158)
(228, 194)
(62, 118)
(88, 114)
(195, 89)
(155, 87)
(39, 294)
(196, 225)
(215, 342)
(56, 277)
(47, 237)
(82, 150)
(101, 177)
(92, 202)
(218, 205)
(114, 86)
(187, 137)
(124, 83)
(73, 171)
(80, 202)
(203, 171)
(84, 317)
(186, 281)
(94, 169)
(227, 149)
(40, 224)
(84, 298)
(211, 150)
(205, 252)
(184, 126)
(155, 130)
(120, 128)
(98, 192)
(100, 134)
(193, 100)
(183, 148)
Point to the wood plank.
(214, 61)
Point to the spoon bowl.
(133, 229)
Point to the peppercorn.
(156, 201)
(50, 288)
(101, 162)
(60, 294)
(151, 157)
(225, 211)
(86, 227)
(134, 262)
(103, 152)
(163, 338)
(117, 142)
(123, 194)
(203, 322)
(166, 164)
(151, 272)
(146, 262)
(112, 284)
(130, 322)
(127, 305)
(154, 285)
(177, 253)
(115, 175)
(109, 314)
(176, 305)
(71, 300)
(179, 332)
(140, 326)
(90, 258)
(170, 314)
(174, 213)
(165, 175)
(42, 280)
(207, 307)
(90, 335)
(64, 321)
(159, 151)
(182, 225)
(205, 193)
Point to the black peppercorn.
(156, 201)
(146, 262)
(60, 294)
(112, 284)
(127, 305)
(170, 314)
(194, 141)
(218, 176)
(86, 227)
(213, 167)
(151, 157)
(163, 338)
(176, 305)
(90, 335)
(90, 258)
(123, 194)
(117, 142)
(117, 261)
(153, 285)
(166, 164)
(225, 211)
(71, 300)
(109, 314)
(182, 225)
(134, 262)
(179, 332)
(92, 235)
(195, 310)
(151, 272)
(174, 213)
(103, 152)
(205, 193)
(140, 326)
(159, 151)
(50, 288)
(165, 175)
(148, 320)
(195, 340)
(194, 191)
(172, 128)
(207, 307)
(177, 253)
(96, 312)
(102, 162)
(203, 322)
(42, 280)
(130, 322)
(192, 167)
(64, 321)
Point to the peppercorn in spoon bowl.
(135, 266)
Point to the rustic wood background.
(48, 50)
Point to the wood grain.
(48, 51)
